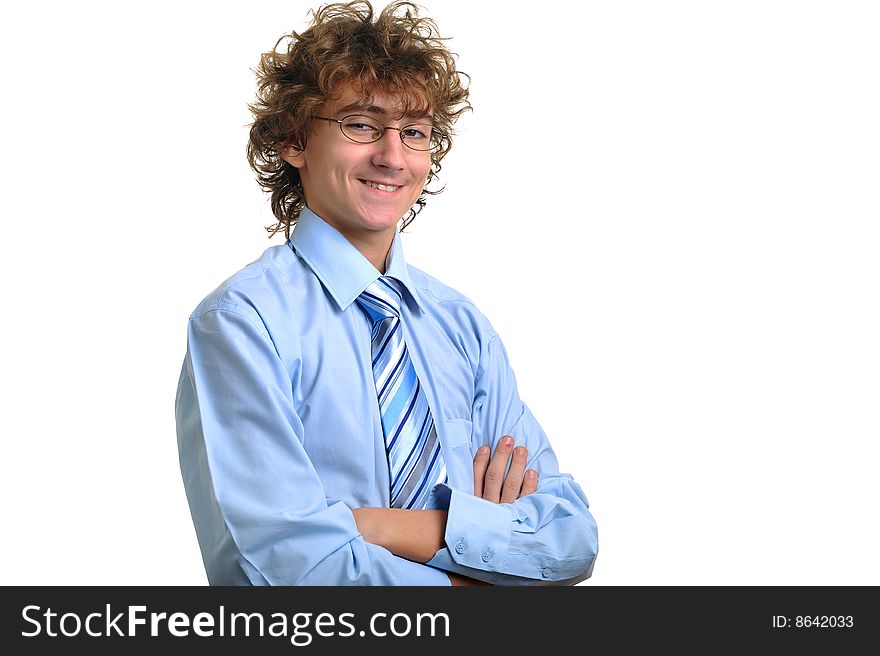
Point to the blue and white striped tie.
(414, 458)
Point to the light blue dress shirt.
(279, 432)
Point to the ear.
(293, 156)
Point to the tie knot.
(381, 300)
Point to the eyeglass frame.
(382, 131)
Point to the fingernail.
(507, 441)
(483, 450)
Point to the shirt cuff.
(477, 531)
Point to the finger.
(530, 483)
(514, 479)
(481, 461)
(495, 471)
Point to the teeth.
(381, 187)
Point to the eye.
(359, 124)
(417, 132)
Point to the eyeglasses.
(364, 129)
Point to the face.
(362, 190)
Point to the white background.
(686, 191)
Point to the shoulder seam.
(461, 298)
(225, 306)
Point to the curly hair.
(399, 52)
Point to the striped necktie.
(414, 459)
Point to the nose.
(389, 151)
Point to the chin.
(384, 222)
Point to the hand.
(489, 480)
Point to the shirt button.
(459, 548)
(546, 572)
(487, 556)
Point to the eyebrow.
(381, 111)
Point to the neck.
(374, 246)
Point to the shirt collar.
(340, 267)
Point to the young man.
(344, 418)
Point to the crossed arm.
(262, 514)
(418, 534)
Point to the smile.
(381, 187)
